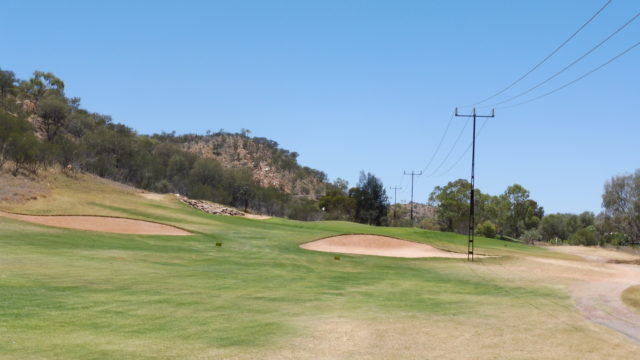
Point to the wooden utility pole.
(413, 173)
(472, 215)
(395, 201)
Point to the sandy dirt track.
(597, 295)
(100, 223)
(378, 246)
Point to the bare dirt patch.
(379, 246)
(152, 196)
(598, 296)
(632, 262)
(20, 189)
(100, 223)
(256, 216)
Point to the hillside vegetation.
(41, 127)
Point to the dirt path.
(598, 296)
(378, 246)
(100, 223)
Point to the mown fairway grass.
(84, 295)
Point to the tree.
(554, 226)
(336, 203)
(524, 213)
(54, 111)
(7, 83)
(621, 202)
(452, 204)
(18, 143)
(371, 200)
(41, 84)
(12, 130)
(496, 209)
(205, 176)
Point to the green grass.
(68, 294)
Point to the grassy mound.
(631, 297)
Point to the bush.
(486, 229)
(531, 235)
(163, 186)
(431, 224)
(587, 236)
(303, 209)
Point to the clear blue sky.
(356, 85)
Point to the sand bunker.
(379, 246)
(100, 223)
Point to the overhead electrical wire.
(570, 65)
(547, 57)
(575, 80)
(466, 151)
(446, 130)
(438, 147)
(540, 97)
(455, 143)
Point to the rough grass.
(68, 294)
(631, 297)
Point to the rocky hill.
(270, 165)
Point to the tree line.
(514, 215)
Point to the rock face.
(210, 208)
(270, 165)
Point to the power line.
(455, 143)
(466, 151)
(575, 80)
(571, 64)
(446, 130)
(548, 56)
(433, 156)
(540, 97)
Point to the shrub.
(486, 229)
(587, 236)
(531, 235)
(431, 224)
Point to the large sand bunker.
(100, 223)
(379, 246)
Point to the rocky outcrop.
(210, 207)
